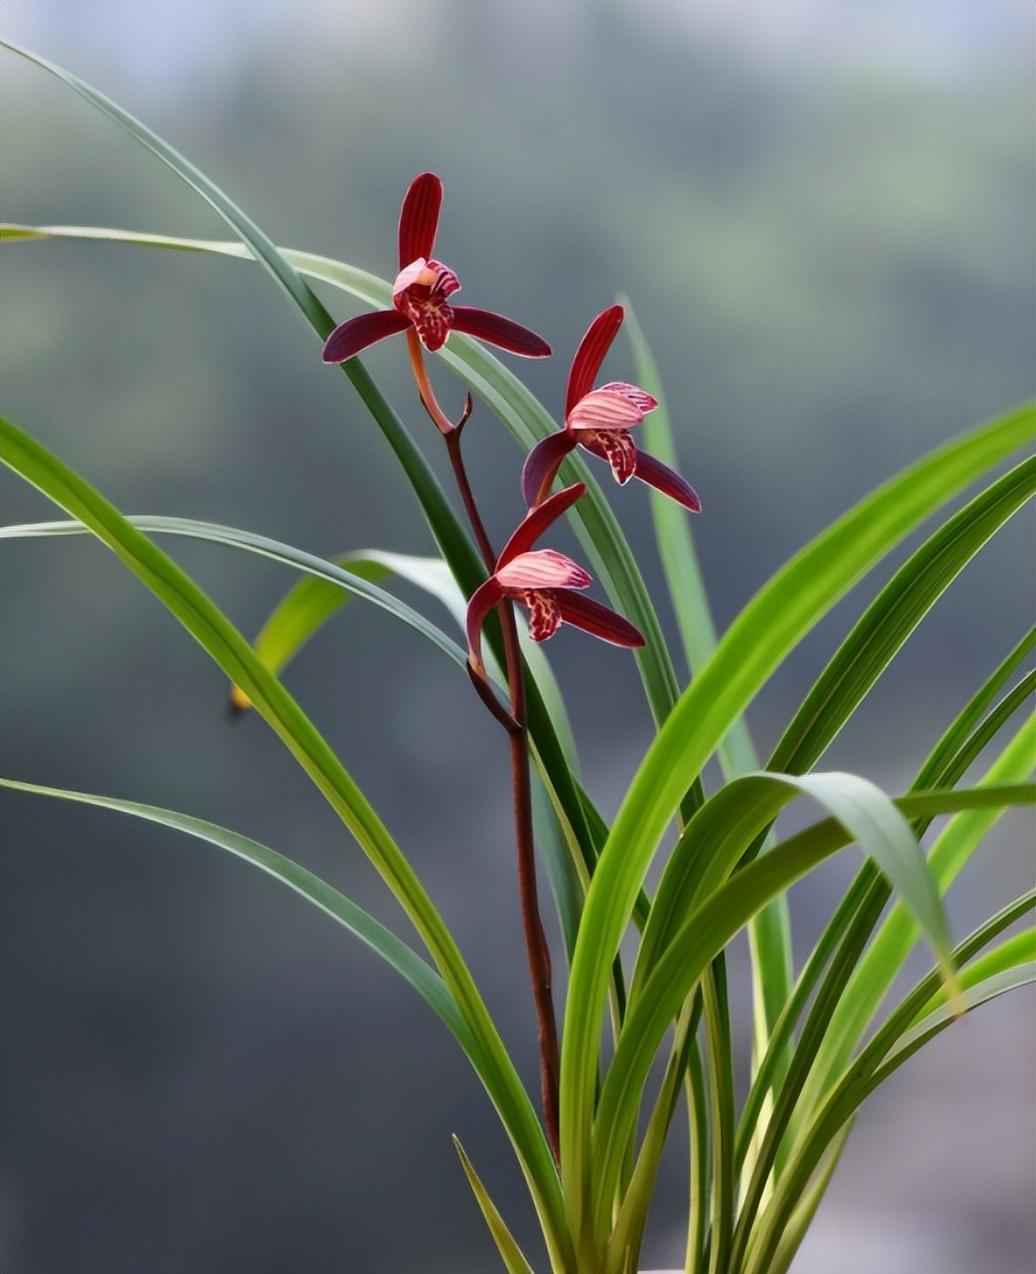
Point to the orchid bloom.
(421, 292)
(547, 583)
(600, 420)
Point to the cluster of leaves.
(757, 1174)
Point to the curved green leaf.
(392, 949)
(770, 626)
(711, 926)
(859, 910)
(715, 841)
(894, 1043)
(206, 623)
(875, 973)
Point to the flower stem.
(536, 947)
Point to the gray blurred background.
(824, 215)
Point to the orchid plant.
(824, 1037)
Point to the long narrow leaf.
(234, 655)
(392, 949)
(767, 629)
(510, 1253)
(707, 931)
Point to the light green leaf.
(708, 930)
(712, 845)
(768, 628)
(512, 1255)
(875, 973)
(206, 623)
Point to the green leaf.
(871, 1068)
(768, 628)
(393, 950)
(769, 934)
(848, 930)
(210, 628)
(329, 582)
(889, 620)
(314, 600)
(875, 973)
(708, 930)
(1016, 950)
(509, 1250)
(712, 845)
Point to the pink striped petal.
(590, 354)
(662, 478)
(356, 334)
(537, 520)
(542, 464)
(419, 218)
(600, 621)
(604, 409)
(639, 397)
(617, 447)
(494, 329)
(542, 568)
(482, 601)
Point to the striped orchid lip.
(547, 583)
(599, 421)
(421, 292)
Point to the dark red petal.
(419, 218)
(662, 478)
(482, 601)
(500, 331)
(537, 520)
(590, 354)
(357, 333)
(542, 463)
(592, 617)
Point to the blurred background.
(823, 214)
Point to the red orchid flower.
(422, 290)
(547, 583)
(600, 421)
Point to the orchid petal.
(590, 354)
(604, 409)
(544, 613)
(541, 568)
(419, 218)
(446, 281)
(662, 478)
(639, 397)
(537, 520)
(482, 601)
(355, 334)
(614, 445)
(542, 463)
(494, 329)
(600, 621)
(418, 271)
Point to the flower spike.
(421, 292)
(547, 583)
(599, 421)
